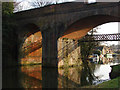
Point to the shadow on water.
(49, 77)
(11, 78)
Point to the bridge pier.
(49, 49)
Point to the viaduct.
(68, 20)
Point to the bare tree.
(17, 6)
(40, 3)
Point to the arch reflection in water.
(38, 77)
(73, 77)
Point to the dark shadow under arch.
(31, 29)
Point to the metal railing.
(103, 37)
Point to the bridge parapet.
(62, 8)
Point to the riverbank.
(114, 83)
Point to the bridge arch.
(75, 18)
(31, 43)
(75, 31)
(30, 29)
(80, 28)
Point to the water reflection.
(37, 77)
(31, 76)
(11, 78)
(102, 73)
(49, 77)
(87, 75)
(107, 60)
(69, 77)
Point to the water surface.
(74, 77)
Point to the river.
(74, 77)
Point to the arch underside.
(30, 29)
(80, 28)
(31, 39)
(31, 47)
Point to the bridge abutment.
(69, 53)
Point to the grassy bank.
(114, 83)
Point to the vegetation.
(7, 11)
(41, 3)
(87, 47)
(97, 52)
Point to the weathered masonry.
(67, 20)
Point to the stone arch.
(73, 33)
(80, 28)
(27, 31)
(30, 29)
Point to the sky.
(108, 28)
